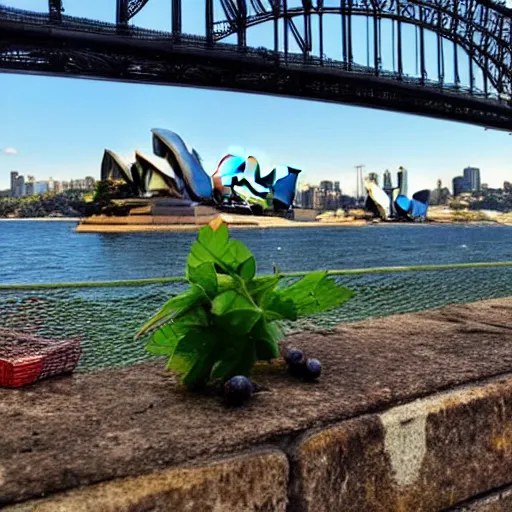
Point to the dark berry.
(293, 356)
(312, 369)
(238, 390)
(297, 369)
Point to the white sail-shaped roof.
(380, 198)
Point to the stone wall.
(416, 418)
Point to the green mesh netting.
(106, 318)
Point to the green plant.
(225, 321)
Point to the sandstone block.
(423, 456)
(247, 483)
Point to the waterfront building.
(459, 186)
(317, 199)
(40, 187)
(17, 184)
(472, 179)
(29, 188)
(387, 180)
(402, 180)
(14, 178)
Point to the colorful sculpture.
(176, 171)
(394, 204)
(239, 180)
(415, 208)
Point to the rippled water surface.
(34, 252)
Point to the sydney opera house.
(175, 171)
(392, 203)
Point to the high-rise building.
(459, 185)
(317, 199)
(472, 179)
(337, 187)
(402, 180)
(387, 181)
(14, 181)
(40, 187)
(326, 185)
(17, 184)
(507, 186)
(374, 177)
(29, 188)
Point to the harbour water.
(46, 252)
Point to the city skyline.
(60, 127)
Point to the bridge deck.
(35, 43)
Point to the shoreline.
(252, 224)
(148, 228)
(137, 228)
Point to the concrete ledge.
(413, 413)
(256, 482)
(425, 455)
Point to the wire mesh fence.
(106, 319)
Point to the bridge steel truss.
(55, 44)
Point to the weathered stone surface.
(84, 429)
(500, 501)
(423, 456)
(250, 483)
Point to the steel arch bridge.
(57, 44)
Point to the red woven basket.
(24, 359)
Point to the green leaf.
(211, 245)
(164, 340)
(195, 356)
(174, 307)
(266, 336)
(236, 358)
(236, 313)
(204, 275)
(315, 293)
(260, 286)
(230, 256)
(239, 322)
(229, 300)
(241, 259)
(278, 308)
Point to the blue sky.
(60, 127)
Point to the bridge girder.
(187, 63)
(461, 22)
(35, 43)
(127, 9)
